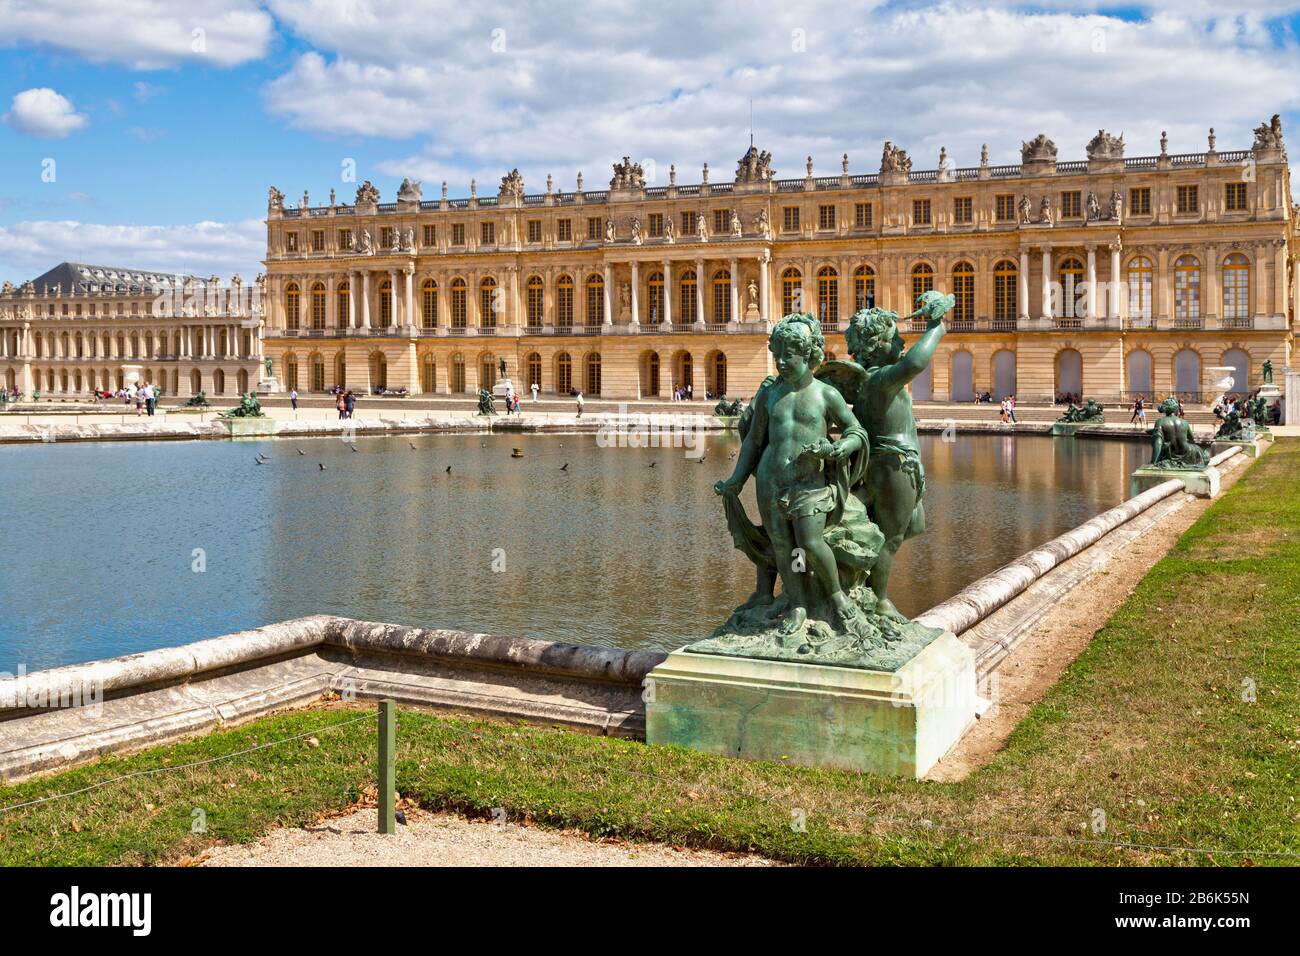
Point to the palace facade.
(1107, 276)
(81, 328)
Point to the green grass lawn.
(1178, 726)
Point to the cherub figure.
(876, 382)
(803, 480)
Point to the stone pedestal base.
(249, 427)
(729, 422)
(891, 722)
(1250, 447)
(499, 389)
(1067, 429)
(1202, 482)
(268, 386)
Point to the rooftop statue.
(1105, 146)
(894, 160)
(754, 167)
(627, 175)
(1172, 444)
(367, 193)
(1089, 413)
(274, 200)
(512, 186)
(1038, 149)
(409, 191)
(1269, 135)
(834, 509)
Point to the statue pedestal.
(268, 386)
(1202, 482)
(891, 722)
(1250, 447)
(249, 427)
(728, 422)
(499, 389)
(1067, 429)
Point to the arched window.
(1070, 276)
(563, 373)
(1187, 289)
(317, 372)
(864, 288)
(650, 386)
(290, 371)
(533, 370)
(429, 374)
(1137, 372)
(963, 293)
(595, 299)
(722, 296)
(458, 305)
(962, 376)
(791, 291)
(1004, 373)
(1069, 373)
(344, 293)
(219, 380)
(318, 306)
(720, 375)
(291, 315)
(922, 279)
(686, 371)
(1006, 304)
(1239, 361)
(1236, 288)
(686, 312)
(458, 372)
(828, 296)
(378, 370)
(593, 373)
(487, 303)
(655, 298)
(564, 302)
(1187, 374)
(535, 301)
(341, 370)
(487, 371)
(1139, 289)
(429, 306)
(386, 303)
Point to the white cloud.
(203, 248)
(578, 87)
(43, 112)
(144, 34)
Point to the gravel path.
(439, 839)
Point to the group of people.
(346, 404)
(683, 393)
(1139, 409)
(1008, 412)
(144, 397)
(1069, 398)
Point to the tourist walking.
(293, 399)
(349, 403)
(1139, 411)
(1011, 409)
(342, 406)
(150, 397)
(139, 400)
(534, 388)
(580, 403)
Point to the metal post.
(387, 765)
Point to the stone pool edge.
(130, 702)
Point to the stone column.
(1211, 297)
(668, 292)
(1092, 284)
(1115, 285)
(764, 285)
(636, 295)
(1261, 280)
(354, 280)
(365, 299)
(392, 297)
(735, 297)
(699, 293)
(1163, 287)
(444, 300)
(1279, 277)
(1047, 282)
(409, 271)
(606, 297)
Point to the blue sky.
(164, 140)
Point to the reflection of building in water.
(1107, 276)
(74, 329)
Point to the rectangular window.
(826, 217)
(1005, 209)
(564, 230)
(430, 235)
(386, 237)
(594, 226)
(1139, 201)
(721, 222)
(291, 241)
(345, 238)
(961, 210)
(790, 219)
(688, 223)
(920, 212)
(534, 230)
(458, 234)
(862, 215)
(1072, 204)
(656, 225)
(318, 240)
(488, 233)
(1189, 199)
(1234, 197)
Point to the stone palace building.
(1108, 276)
(79, 328)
